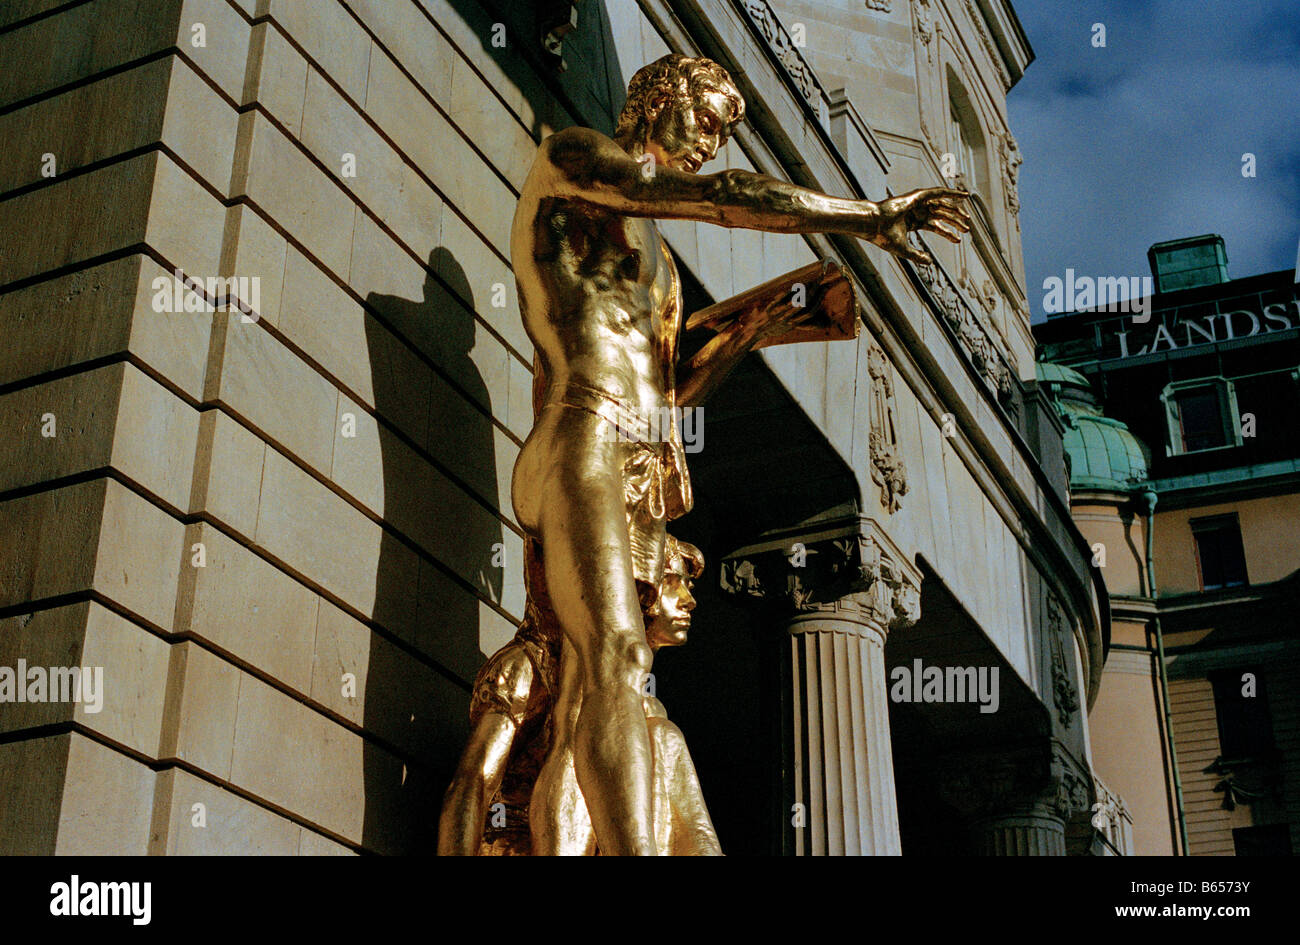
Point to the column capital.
(1040, 778)
(847, 567)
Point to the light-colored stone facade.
(288, 538)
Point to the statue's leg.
(587, 561)
(557, 813)
(691, 832)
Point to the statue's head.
(681, 110)
(668, 619)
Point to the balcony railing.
(1112, 821)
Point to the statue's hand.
(937, 209)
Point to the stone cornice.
(1008, 36)
(990, 48)
(817, 569)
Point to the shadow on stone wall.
(437, 613)
(591, 84)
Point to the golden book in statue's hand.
(815, 302)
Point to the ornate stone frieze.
(968, 285)
(1064, 693)
(829, 572)
(778, 39)
(888, 470)
(1109, 806)
(882, 5)
(972, 332)
(1073, 787)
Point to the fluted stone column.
(1032, 832)
(1017, 801)
(838, 593)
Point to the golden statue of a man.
(601, 301)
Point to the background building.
(286, 534)
(1185, 468)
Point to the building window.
(962, 148)
(967, 140)
(1219, 553)
(1241, 707)
(1272, 840)
(1202, 415)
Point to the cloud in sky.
(1143, 140)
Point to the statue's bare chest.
(593, 244)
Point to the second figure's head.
(668, 619)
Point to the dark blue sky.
(1142, 140)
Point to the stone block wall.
(283, 531)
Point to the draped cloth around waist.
(656, 484)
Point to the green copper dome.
(1049, 373)
(1103, 453)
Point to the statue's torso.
(600, 298)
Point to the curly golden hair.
(677, 75)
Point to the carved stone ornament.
(988, 296)
(1073, 787)
(888, 471)
(975, 340)
(1009, 151)
(787, 53)
(968, 285)
(1109, 810)
(828, 572)
(924, 27)
(1064, 693)
(882, 5)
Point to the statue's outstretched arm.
(587, 166)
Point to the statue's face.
(685, 133)
(669, 618)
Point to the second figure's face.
(686, 133)
(669, 618)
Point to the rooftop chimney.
(1189, 262)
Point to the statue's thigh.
(586, 549)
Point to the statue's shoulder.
(563, 159)
(575, 136)
(573, 151)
